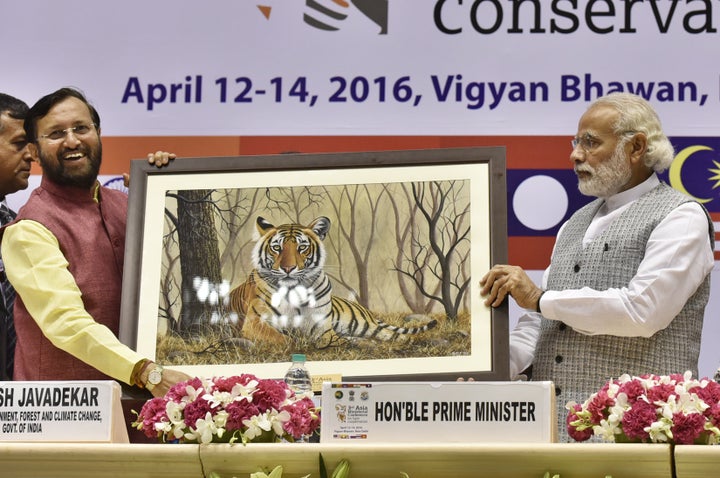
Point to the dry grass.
(448, 338)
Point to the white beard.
(607, 178)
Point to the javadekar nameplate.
(55, 411)
(445, 411)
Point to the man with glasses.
(629, 276)
(64, 255)
(15, 162)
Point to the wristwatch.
(154, 377)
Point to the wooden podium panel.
(53, 460)
(452, 459)
(697, 461)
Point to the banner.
(234, 77)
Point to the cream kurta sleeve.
(39, 273)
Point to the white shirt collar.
(626, 197)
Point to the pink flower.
(196, 410)
(270, 394)
(153, 411)
(660, 392)
(189, 411)
(633, 389)
(226, 384)
(713, 413)
(710, 393)
(178, 391)
(635, 420)
(572, 431)
(239, 411)
(598, 406)
(687, 428)
(302, 420)
(643, 417)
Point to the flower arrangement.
(229, 409)
(675, 409)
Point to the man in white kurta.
(629, 277)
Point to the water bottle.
(298, 377)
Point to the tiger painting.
(289, 294)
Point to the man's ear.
(638, 146)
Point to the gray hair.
(636, 114)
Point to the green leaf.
(323, 470)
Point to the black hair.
(44, 104)
(13, 107)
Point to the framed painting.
(368, 263)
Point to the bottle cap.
(298, 357)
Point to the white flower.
(607, 430)
(270, 420)
(174, 411)
(277, 419)
(659, 431)
(256, 426)
(172, 425)
(244, 392)
(613, 389)
(192, 394)
(217, 399)
(176, 426)
(205, 429)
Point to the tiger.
(288, 293)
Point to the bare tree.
(236, 213)
(357, 206)
(436, 262)
(404, 211)
(291, 204)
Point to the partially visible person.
(15, 162)
(64, 256)
(629, 276)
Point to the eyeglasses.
(79, 131)
(588, 142)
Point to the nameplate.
(54, 411)
(318, 380)
(438, 412)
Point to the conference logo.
(330, 15)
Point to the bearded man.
(629, 276)
(64, 255)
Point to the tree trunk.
(199, 261)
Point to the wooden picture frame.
(406, 228)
